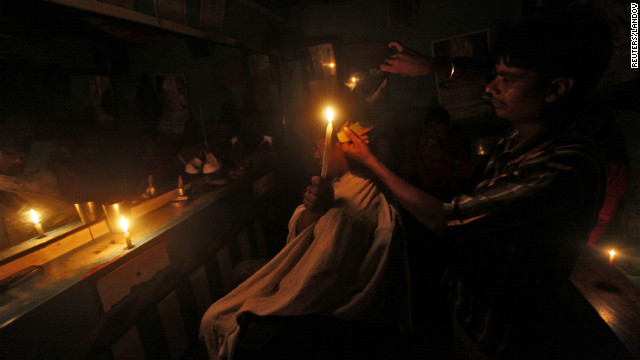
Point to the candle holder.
(39, 231)
(182, 198)
(113, 212)
(179, 201)
(88, 212)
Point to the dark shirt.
(516, 238)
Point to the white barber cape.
(349, 264)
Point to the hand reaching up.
(407, 62)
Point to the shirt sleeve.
(539, 187)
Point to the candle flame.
(329, 115)
(124, 223)
(353, 79)
(331, 65)
(612, 253)
(35, 217)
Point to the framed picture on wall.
(321, 61)
(401, 13)
(171, 90)
(321, 67)
(102, 102)
(212, 14)
(462, 99)
(171, 10)
(265, 80)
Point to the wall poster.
(172, 96)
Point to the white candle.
(180, 187)
(327, 143)
(36, 223)
(125, 229)
(612, 253)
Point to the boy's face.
(337, 162)
(516, 94)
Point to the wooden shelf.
(615, 298)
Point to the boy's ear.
(558, 88)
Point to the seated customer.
(342, 273)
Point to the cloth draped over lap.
(350, 265)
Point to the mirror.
(92, 108)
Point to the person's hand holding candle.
(319, 196)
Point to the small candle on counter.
(125, 229)
(151, 190)
(612, 253)
(180, 187)
(327, 143)
(36, 223)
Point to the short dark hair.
(575, 43)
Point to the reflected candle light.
(125, 229)
(327, 144)
(36, 223)
(612, 253)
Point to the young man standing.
(517, 236)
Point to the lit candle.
(612, 253)
(125, 229)
(151, 190)
(180, 187)
(36, 223)
(327, 143)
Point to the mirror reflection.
(95, 111)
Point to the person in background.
(516, 237)
(617, 169)
(337, 290)
(436, 158)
